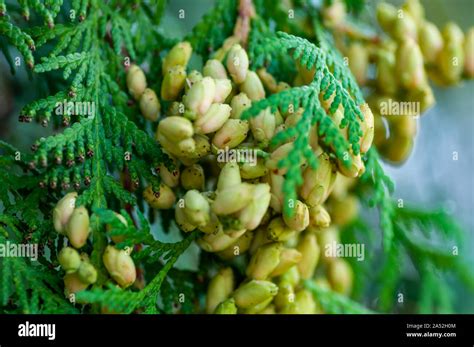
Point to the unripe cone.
(163, 199)
(340, 276)
(397, 148)
(415, 9)
(215, 69)
(77, 229)
(404, 27)
(256, 309)
(367, 127)
(264, 261)
(410, 65)
(181, 220)
(73, 284)
(214, 226)
(192, 78)
(69, 259)
(170, 178)
(178, 55)
(232, 133)
(233, 199)
(386, 15)
(252, 215)
(196, 208)
(219, 241)
(253, 293)
(276, 189)
(431, 42)
(173, 83)
(223, 89)
(309, 249)
(253, 87)
(288, 258)
(239, 104)
(263, 126)
(344, 210)
(260, 238)
(250, 171)
(213, 119)
(229, 176)
(319, 217)
(136, 81)
(452, 33)
(303, 304)
(279, 231)
(150, 105)
(120, 266)
(451, 57)
(356, 167)
(87, 273)
(318, 183)
(334, 15)
(292, 276)
(219, 289)
(469, 54)
(240, 246)
(327, 238)
(226, 307)
(200, 96)
(176, 128)
(118, 238)
(300, 218)
(193, 177)
(285, 296)
(358, 57)
(386, 78)
(63, 211)
(237, 63)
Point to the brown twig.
(242, 25)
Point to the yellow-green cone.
(87, 273)
(178, 55)
(237, 63)
(77, 229)
(223, 89)
(226, 307)
(358, 57)
(219, 289)
(136, 81)
(431, 42)
(217, 242)
(73, 284)
(173, 83)
(410, 65)
(309, 249)
(213, 119)
(233, 199)
(196, 208)
(299, 220)
(239, 104)
(176, 128)
(319, 217)
(120, 266)
(63, 211)
(340, 276)
(264, 261)
(253, 293)
(150, 105)
(240, 246)
(192, 177)
(200, 96)
(251, 216)
(288, 258)
(215, 69)
(278, 230)
(232, 133)
(253, 87)
(263, 126)
(318, 183)
(69, 259)
(163, 199)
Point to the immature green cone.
(415, 9)
(404, 28)
(87, 273)
(77, 229)
(253, 87)
(237, 63)
(232, 133)
(367, 127)
(288, 258)
(200, 96)
(219, 289)
(263, 126)
(136, 81)
(119, 238)
(223, 89)
(215, 69)
(163, 199)
(253, 293)
(239, 104)
(340, 276)
(276, 190)
(233, 199)
(299, 220)
(220, 240)
(397, 148)
(120, 266)
(279, 231)
(192, 78)
(213, 119)
(285, 296)
(73, 284)
(240, 246)
(173, 83)
(318, 183)
(251, 171)
(226, 307)
(170, 178)
(424, 96)
(178, 55)
(327, 239)
(358, 57)
(251, 215)
(319, 217)
(256, 309)
(334, 14)
(176, 128)
(196, 208)
(410, 67)
(469, 54)
(63, 211)
(386, 15)
(309, 249)
(193, 177)
(264, 261)
(451, 57)
(356, 167)
(150, 105)
(229, 176)
(344, 210)
(69, 259)
(431, 42)
(303, 304)
(181, 219)
(386, 78)
(292, 276)
(276, 156)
